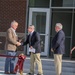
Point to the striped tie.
(30, 38)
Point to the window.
(39, 3)
(63, 3)
(63, 16)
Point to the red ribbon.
(2, 55)
(20, 63)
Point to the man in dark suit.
(58, 47)
(33, 39)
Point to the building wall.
(12, 10)
(61, 11)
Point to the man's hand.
(18, 43)
(71, 52)
(0, 42)
(52, 50)
(31, 47)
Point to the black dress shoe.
(30, 73)
(6, 73)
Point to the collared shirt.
(14, 31)
(31, 33)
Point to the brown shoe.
(39, 74)
(6, 73)
(12, 73)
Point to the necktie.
(30, 38)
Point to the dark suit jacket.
(58, 43)
(35, 41)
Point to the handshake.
(18, 43)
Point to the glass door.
(39, 17)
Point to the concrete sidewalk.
(2, 73)
(68, 67)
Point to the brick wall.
(12, 10)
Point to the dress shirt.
(14, 31)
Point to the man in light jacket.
(10, 47)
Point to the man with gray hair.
(33, 39)
(10, 47)
(58, 47)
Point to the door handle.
(47, 34)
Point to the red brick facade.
(12, 10)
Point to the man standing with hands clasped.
(10, 47)
(33, 39)
(58, 48)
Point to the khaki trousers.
(35, 59)
(58, 63)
